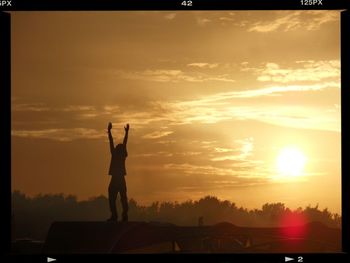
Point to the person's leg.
(112, 197)
(124, 200)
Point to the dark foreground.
(142, 237)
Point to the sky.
(213, 99)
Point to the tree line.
(32, 216)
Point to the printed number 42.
(186, 3)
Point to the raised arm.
(111, 143)
(126, 128)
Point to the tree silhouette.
(32, 217)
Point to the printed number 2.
(186, 3)
(300, 259)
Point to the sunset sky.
(212, 99)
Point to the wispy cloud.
(170, 16)
(211, 173)
(321, 18)
(155, 154)
(220, 107)
(62, 135)
(203, 65)
(36, 107)
(78, 108)
(288, 21)
(222, 150)
(209, 109)
(157, 134)
(173, 75)
(245, 148)
(225, 18)
(224, 97)
(42, 107)
(303, 71)
(202, 21)
(141, 119)
(188, 168)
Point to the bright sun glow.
(290, 162)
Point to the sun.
(291, 162)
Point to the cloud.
(277, 90)
(141, 119)
(224, 97)
(203, 65)
(211, 173)
(209, 109)
(225, 18)
(202, 21)
(29, 117)
(309, 71)
(62, 135)
(152, 75)
(220, 107)
(41, 107)
(321, 18)
(288, 21)
(36, 107)
(110, 109)
(170, 16)
(78, 108)
(83, 111)
(157, 134)
(156, 154)
(46, 114)
(245, 147)
(188, 168)
(166, 75)
(223, 78)
(222, 150)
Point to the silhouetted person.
(117, 171)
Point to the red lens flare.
(293, 225)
